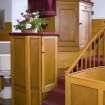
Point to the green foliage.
(31, 20)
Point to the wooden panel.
(68, 29)
(35, 60)
(4, 36)
(19, 71)
(49, 71)
(28, 68)
(65, 60)
(50, 24)
(20, 96)
(36, 98)
(19, 64)
(79, 98)
(89, 82)
(97, 24)
(35, 67)
(103, 97)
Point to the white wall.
(7, 6)
(4, 47)
(5, 55)
(13, 8)
(18, 6)
(5, 62)
(99, 9)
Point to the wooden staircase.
(57, 95)
(93, 55)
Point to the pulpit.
(34, 70)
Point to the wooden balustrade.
(93, 55)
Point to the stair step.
(57, 95)
(49, 103)
(61, 82)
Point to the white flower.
(36, 14)
(28, 25)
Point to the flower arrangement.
(31, 20)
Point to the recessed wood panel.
(35, 100)
(49, 60)
(19, 71)
(20, 96)
(73, 22)
(81, 95)
(97, 25)
(67, 25)
(103, 98)
(19, 63)
(49, 70)
(35, 62)
(66, 15)
(50, 24)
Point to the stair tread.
(57, 95)
(59, 90)
(49, 102)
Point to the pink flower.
(18, 20)
(24, 16)
(27, 11)
(22, 13)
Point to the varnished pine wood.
(79, 98)
(73, 22)
(50, 24)
(88, 48)
(97, 24)
(90, 81)
(18, 67)
(66, 25)
(33, 72)
(4, 36)
(49, 66)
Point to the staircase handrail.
(98, 34)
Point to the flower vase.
(30, 30)
(35, 30)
